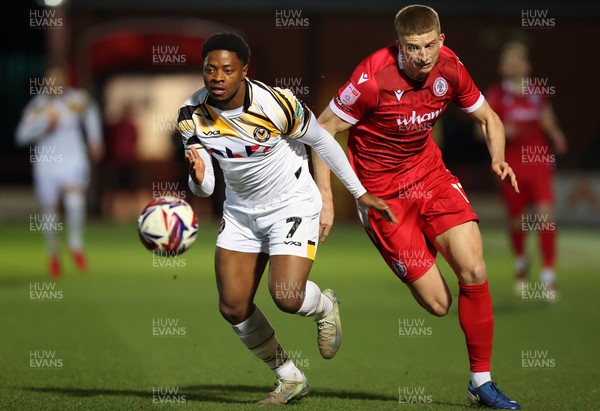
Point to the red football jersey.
(522, 112)
(390, 144)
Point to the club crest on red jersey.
(440, 86)
(399, 268)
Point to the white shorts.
(290, 228)
(51, 179)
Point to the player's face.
(514, 66)
(420, 52)
(224, 75)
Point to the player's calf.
(439, 308)
(432, 293)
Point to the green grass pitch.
(89, 343)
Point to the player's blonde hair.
(416, 19)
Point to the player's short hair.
(416, 19)
(227, 41)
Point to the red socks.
(548, 247)
(477, 322)
(517, 241)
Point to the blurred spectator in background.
(122, 149)
(62, 126)
(533, 139)
(121, 167)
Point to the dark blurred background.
(141, 59)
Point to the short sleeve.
(357, 97)
(187, 128)
(468, 96)
(296, 115)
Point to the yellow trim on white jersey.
(256, 147)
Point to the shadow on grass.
(211, 393)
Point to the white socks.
(50, 232)
(315, 303)
(547, 276)
(258, 335)
(289, 372)
(521, 263)
(75, 215)
(480, 378)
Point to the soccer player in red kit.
(389, 106)
(530, 125)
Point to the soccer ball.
(167, 226)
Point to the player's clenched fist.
(195, 165)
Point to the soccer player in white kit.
(53, 124)
(271, 212)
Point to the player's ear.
(442, 38)
(398, 45)
(245, 70)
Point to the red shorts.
(424, 210)
(535, 185)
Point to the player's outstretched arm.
(550, 125)
(334, 157)
(323, 180)
(371, 201)
(493, 132)
(327, 120)
(202, 176)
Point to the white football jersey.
(62, 148)
(256, 145)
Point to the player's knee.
(475, 273)
(234, 314)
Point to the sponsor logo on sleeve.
(341, 105)
(363, 77)
(440, 86)
(350, 95)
